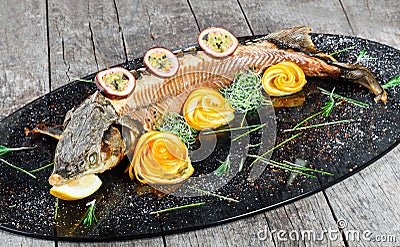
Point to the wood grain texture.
(165, 23)
(84, 37)
(324, 16)
(227, 14)
(237, 233)
(375, 20)
(23, 54)
(23, 71)
(158, 241)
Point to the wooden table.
(43, 44)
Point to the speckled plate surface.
(123, 207)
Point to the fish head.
(91, 141)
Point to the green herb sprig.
(320, 125)
(224, 168)
(362, 56)
(276, 147)
(213, 194)
(343, 50)
(42, 168)
(4, 149)
(349, 100)
(245, 92)
(17, 168)
(176, 124)
(395, 81)
(81, 80)
(90, 216)
(178, 207)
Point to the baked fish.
(92, 140)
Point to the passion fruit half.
(116, 83)
(161, 62)
(217, 42)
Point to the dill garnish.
(363, 57)
(89, 217)
(329, 105)
(56, 210)
(245, 92)
(176, 124)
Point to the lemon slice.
(77, 189)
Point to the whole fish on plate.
(92, 143)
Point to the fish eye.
(93, 159)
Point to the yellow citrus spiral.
(207, 108)
(283, 79)
(160, 158)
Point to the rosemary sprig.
(42, 168)
(343, 50)
(248, 132)
(89, 217)
(320, 125)
(17, 168)
(245, 93)
(395, 81)
(351, 101)
(362, 56)
(213, 194)
(276, 147)
(176, 124)
(80, 79)
(178, 207)
(224, 168)
(4, 150)
(229, 129)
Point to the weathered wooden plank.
(307, 222)
(23, 71)
(368, 201)
(376, 20)
(237, 233)
(23, 52)
(84, 37)
(227, 14)
(147, 242)
(12, 240)
(323, 16)
(156, 23)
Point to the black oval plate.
(27, 207)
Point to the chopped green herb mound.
(177, 125)
(245, 93)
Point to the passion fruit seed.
(117, 81)
(161, 61)
(218, 41)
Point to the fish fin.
(361, 75)
(131, 131)
(296, 38)
(49, 131)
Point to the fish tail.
(361, 75)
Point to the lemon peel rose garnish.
(160, 158)
(207, 108)
(284, 78)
